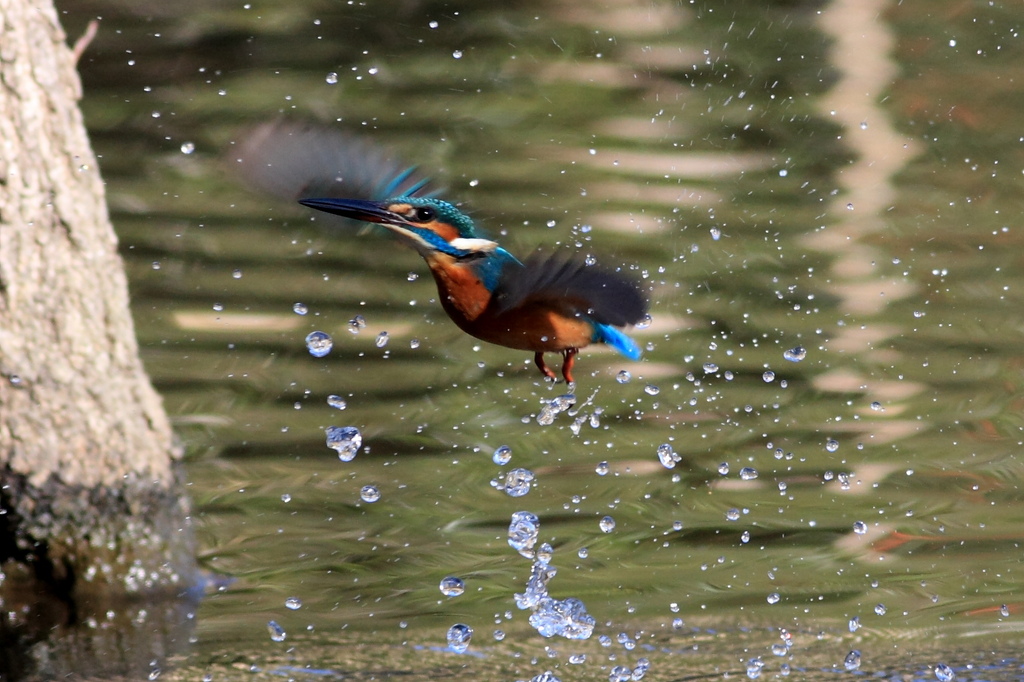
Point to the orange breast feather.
(463, 295)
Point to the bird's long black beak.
(357, 209)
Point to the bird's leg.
(542, 366)
(570, 359)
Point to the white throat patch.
(474, 245)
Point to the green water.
(844, 177)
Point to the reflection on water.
(870, 478)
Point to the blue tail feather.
(604, 333)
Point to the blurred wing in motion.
(294, 160)
(573, 288)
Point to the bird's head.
(429, 225)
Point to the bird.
(543, 304)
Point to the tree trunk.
(90, 503)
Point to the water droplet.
(831, 445)
(555, 406)
(723, 468)
(651, 390)
(748, 473)
(457, 54)
(458, 637)
(623, 377)
(382, 339)
(852, 660)
(293, 603)
(859, 527)
(1004, 611)
(716, 234)
(237, 274)
(606, 524)
(710, 368)
(300, 309)
(346, 440)
(774, 598)
(880, 609)
(277, 632)
(337, 402)
(943, 673)
(332, 78)
(518, 482)
(369, 493)
(645, 322)
(583, 553)
(620, 673)
(522, 532)
(319, 344)
(732, 515)
(795, 354)
(502, 455)
(286, 498)
(499, 635)
(432, 24)
(754, 667)
(356, 323)
(601, 468)
(768, 376)
(668, 456)
(863, 125)
(452, 586)
(188, 147)
(854, 624)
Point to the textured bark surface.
(90, 504)
(73, 396)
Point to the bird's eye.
(423, 214)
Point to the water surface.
(841, 178)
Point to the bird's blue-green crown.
(442, 212)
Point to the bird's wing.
(299, 159)
(573, 288)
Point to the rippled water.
(818, 454)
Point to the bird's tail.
(604, 333)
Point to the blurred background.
(822, 199)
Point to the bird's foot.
(570, 359)
(543, 367)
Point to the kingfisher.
(542, 304)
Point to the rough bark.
(89, 497)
